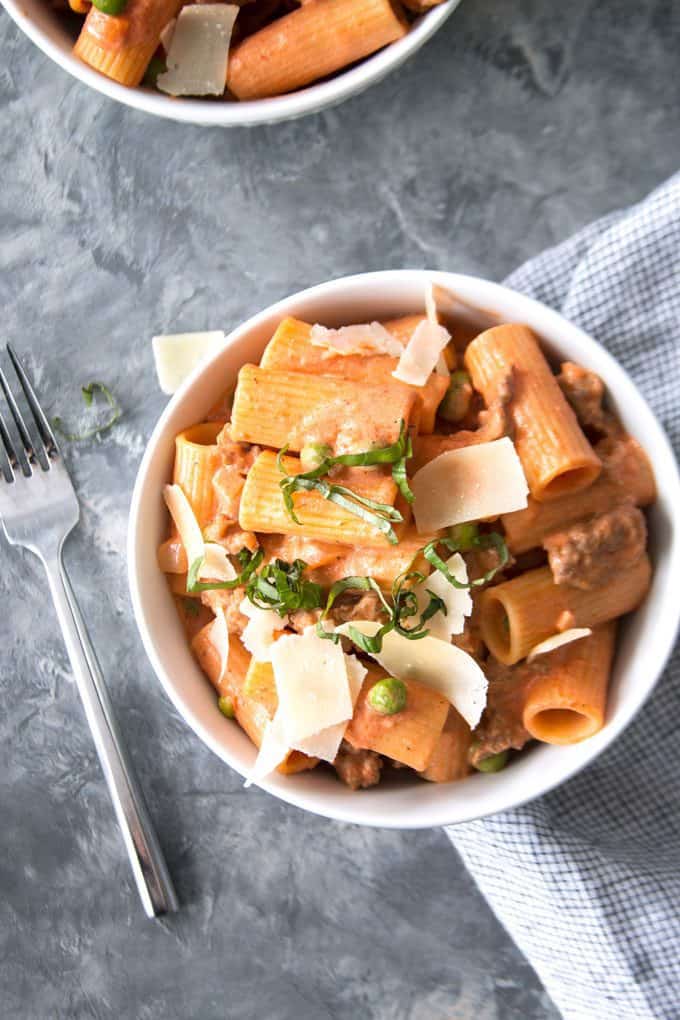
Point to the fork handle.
(146, 857)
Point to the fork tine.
(44, 427)
(30, 455)
(11, 459)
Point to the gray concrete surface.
(510, 130)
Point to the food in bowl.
(247, 51)
(405, 544)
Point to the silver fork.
(38, 510)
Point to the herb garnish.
(88, 393)
(280, 586)
(401, 606)
(466, 538)
(248, 562)
(380, 515)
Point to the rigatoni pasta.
(356, 640)
(556, 456)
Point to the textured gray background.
(514, 127)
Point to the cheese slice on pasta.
(441, 368)
(422, 353)
(557, 640)
(470, 484)
(434, 663)
(215, 564)
(178, 354)
(259, 633)
(272, 752)
(312, 685)
(326, 744)
(199, 51)
(458, 601)
(365, 338)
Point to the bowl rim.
(211, 113)
(553, 322)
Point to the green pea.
(226, 707)
(388, 696)
(112, 7)
(494, 763)
(313, 455)
(464, 535)
(155, 67)
(457, 398)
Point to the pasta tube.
(197, 459)
(556, 456)
(290, 348)
(449, 759)
(518, 614)
(410, 736)
(278, 409)
(319, 38)
(628, 477)
(567, 696)
(262, 507)
(121, 47)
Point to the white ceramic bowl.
(43, 26)
(645, 641)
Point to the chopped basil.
(248, 562)
(466, 541)
(88, 393)
(379, 515)
(280, 586)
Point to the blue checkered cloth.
(587, 879)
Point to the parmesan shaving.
(259, 633)
(178, 354)
(216, 564)
(458, 601)
(422, 353)
(199, 51)
(312, 685)
(557, 640)
(441, 368)
(326, 744)
(167, 34)
(434, 663)
(470, 484)
(273, 751)
(185, 522)
(218, 636)
(369, 338)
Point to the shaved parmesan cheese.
(326, 744)
(312, 685)
(218, 636)
(216, 563)
(441, 368)
(469, 484)
(263, 624)
(458, 601)
(199, 51)
(434, 663)
(557, 640)
(422, 352)
(369, 338)
(167, 34)
(273, 751)
(177, 355)
(185, 522)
